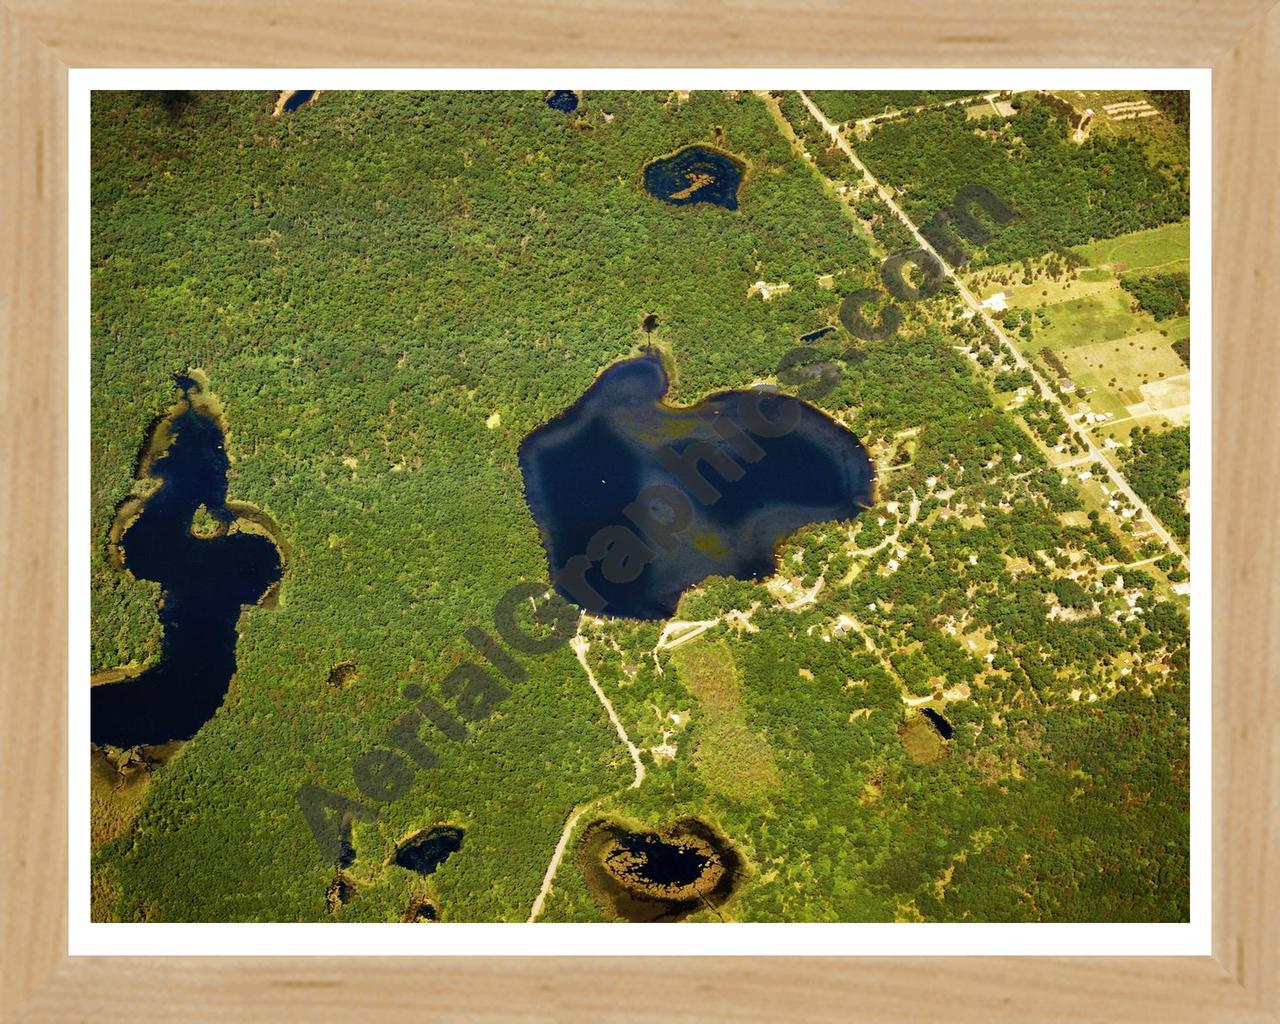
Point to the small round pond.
(658, 876)
(563, 100)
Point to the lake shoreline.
(206, 577)
(624, 433)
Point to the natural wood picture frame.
(41, 39)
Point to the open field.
(989, 108)
(1133, 361)
(1139, 377)
(1042, 292)
(734, 760)
(1100, 316)
(1121, 360)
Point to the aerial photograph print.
(639, 506)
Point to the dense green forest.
(387, 292)
(1175, 104)
(1065, 194)
(1161, 295)
(1158, 466)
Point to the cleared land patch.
(1121, 362)
(1127, 378)
(733, 760)
(1129, 114)
(921, 740)
(1100, 316)
(1048, 293)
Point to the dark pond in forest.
(563, 100)
(821, 332)
(425, 851)
(658, 862)
(658, 876)
(421, 910)
(299, 97)
(696, 174)
(712, 489)
(206, 581)
(938, 722)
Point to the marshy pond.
(705, 486)
(207, 574)
(658, 876)
(924, 734)
(425, 851)
(695, 174)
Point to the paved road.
(1119, 482)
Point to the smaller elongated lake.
(695, 174)
(206, 581)
(938, 722)
(638, 500)
(425, 851)
(299, 97)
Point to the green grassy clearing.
(921, 740)
(734, 760)
(1088, 320)
(1130, 361)
(1122, 357)
(1166, 248)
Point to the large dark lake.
(585, 469)
(206, 582)
(696, 174)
